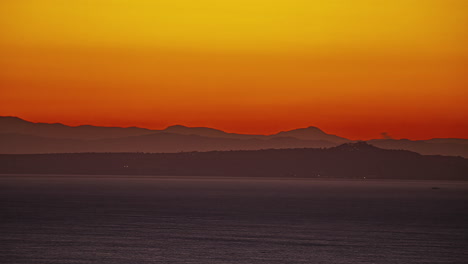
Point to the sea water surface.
(134, 219)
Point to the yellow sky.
(259, 25)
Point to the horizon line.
(221, 130)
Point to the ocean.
(135, 219)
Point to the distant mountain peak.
(311, 128)
(311, 133)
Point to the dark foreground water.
(99, 219)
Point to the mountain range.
(18, 136)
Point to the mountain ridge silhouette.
(20, 136)
(100, 132)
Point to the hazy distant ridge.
(18, 136)
(17, 125)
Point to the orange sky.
(353, 68)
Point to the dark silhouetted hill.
(353, 160)
(437, 146)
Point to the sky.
(353, 68)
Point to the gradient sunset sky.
(353, 68)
